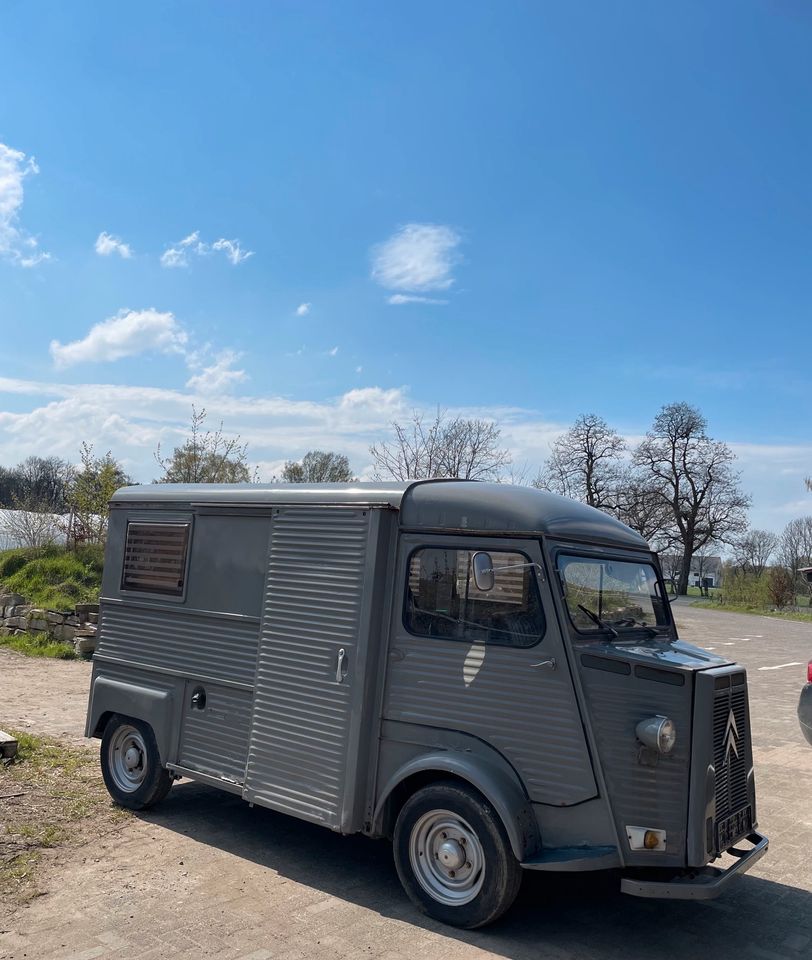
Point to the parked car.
(805, 705)
(488, 675)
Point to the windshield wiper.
(631, 623)
(597, 620)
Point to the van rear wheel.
(131, 764)
(453, 856)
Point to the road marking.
(780, 666)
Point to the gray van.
(489, 675)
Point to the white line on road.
(795, 663)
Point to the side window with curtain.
(442, 599)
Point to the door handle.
(548, 664)
(340, 665)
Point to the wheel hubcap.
(446, 857)
(127, 758)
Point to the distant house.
(705, 570)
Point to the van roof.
(447, 505)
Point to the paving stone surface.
(204, 875)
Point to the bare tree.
(753, 549)
(28, 525)
(451, 448)
(695, 478)
(671, 563)
(639, 505)
(795, 549)
(585, 463)
(318, 466)
(207, 456)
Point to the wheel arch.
(500, 787)
(148, 704)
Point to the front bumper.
(703, 883)
(805, 712)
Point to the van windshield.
(611, 594)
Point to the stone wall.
(77, 626)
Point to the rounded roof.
(449, 505)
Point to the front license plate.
(733, 828)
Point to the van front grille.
(730, 745)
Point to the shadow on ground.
(580, 915)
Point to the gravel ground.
(206, 876)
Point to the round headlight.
(657, 733)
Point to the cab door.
(489, 664)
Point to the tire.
(453, 856)
(131, 764)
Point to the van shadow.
(555, 915)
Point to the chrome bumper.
(704, 883)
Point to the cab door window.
(442, 599)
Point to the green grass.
(758, 611)
(52, 577)
(55, 798)
(39, 645)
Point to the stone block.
(35, 625)
(83, 609)
(15, 622)
(53, 617)
(85, 645)
(11, 599)
(93, 617)
(6, 631)
(62, 631)
(21, 610)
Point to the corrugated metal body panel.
(215, 739)
(314, 603)
(639, 794)
(528, 714)
(181, 640)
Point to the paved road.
(205, 876)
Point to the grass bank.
(759, 611)
(53, 577)
(39, 645)
(51, 796)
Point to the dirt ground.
(204, 875)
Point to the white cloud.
(232, 250)
(359, 369)
(399, 298)
(218, 376)
(418, 258)
(303, 309)
(16, 245)
(333, 351)
(127, 334)
(107, 244)
(178, 254)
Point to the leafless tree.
(206, 456)
(318, 466)
(671, 563)
(28, 525)
(695, 478)
(795, 548)
(585, 463)
(458, 447)
(753, 549)
(639, 505)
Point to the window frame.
(136, 592)
(472, 550)
(648, 560)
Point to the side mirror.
(483, 571)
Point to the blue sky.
(311, 218)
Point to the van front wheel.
(131, 764)
(453, 856)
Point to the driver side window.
(442, 599)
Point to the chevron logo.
(731, 740)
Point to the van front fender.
(500, 787)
